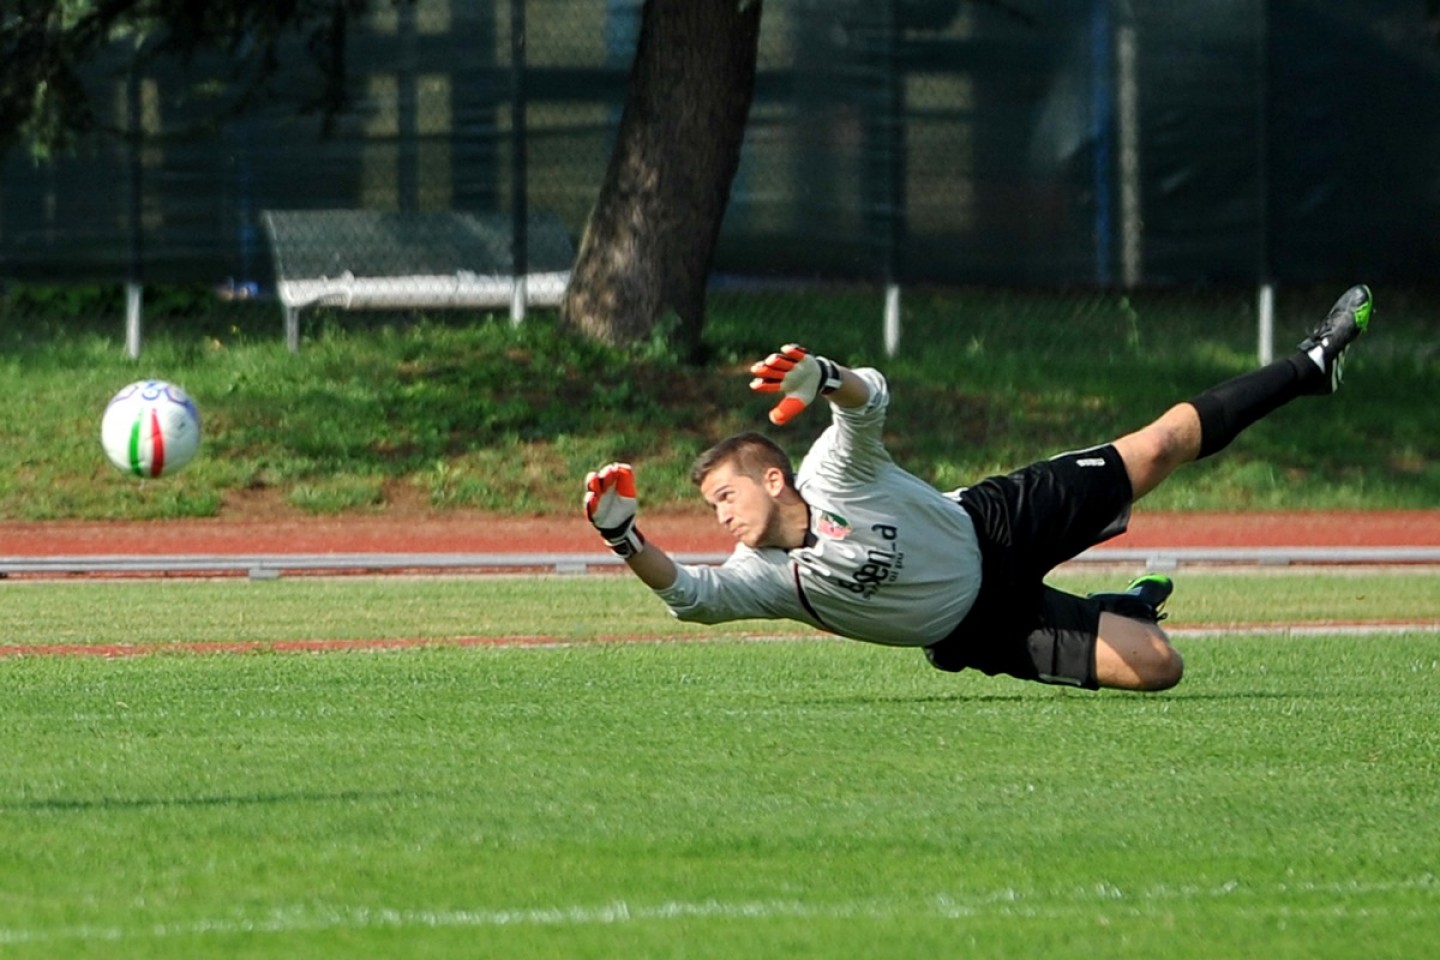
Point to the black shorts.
(1029, 522)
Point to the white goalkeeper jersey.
(889, 558)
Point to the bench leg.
(518, 299)
(292, 328)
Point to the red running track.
(683, 533)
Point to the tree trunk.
(651, 237)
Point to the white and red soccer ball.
(151, 428)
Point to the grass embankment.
(460, 412)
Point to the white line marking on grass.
(298, 920)
(1347, 629)
(113, 651)
(1007, 902)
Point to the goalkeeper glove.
(799, 375)
(610, 507)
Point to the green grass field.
(801, 797)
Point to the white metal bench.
(369, 260)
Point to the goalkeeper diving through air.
(853, 544)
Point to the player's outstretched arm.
(802, 377)
(610, 506)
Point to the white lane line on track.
(268, 566)
(1286, 899)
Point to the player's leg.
(1155, 451)
(1135, 655)
(1050, 636)
(1122, 653)
(1132, 652)
(1207, 423)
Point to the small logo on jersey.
(832, 525)
(1091, 462)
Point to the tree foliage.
(46, 44)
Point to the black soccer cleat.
(1326, 344)
(1141, 599)
(1152, 589)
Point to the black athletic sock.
(1229, 408)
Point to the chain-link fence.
(1052, 143)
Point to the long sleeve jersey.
(889, 558)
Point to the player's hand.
(610, 507)
(796, 373)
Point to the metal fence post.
(894, 147)
(135, 208)
(134, 297)
(1265, 333)
(519, 198)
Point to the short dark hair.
(752, 453)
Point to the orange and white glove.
(801, 376)
(610, 507)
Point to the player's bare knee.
(1135, 654)
(1157, 664)
(1163, 670)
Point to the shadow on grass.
(1078, 698)
(929, 698)
(1236, 696)
(242, 800)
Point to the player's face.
(745, 506)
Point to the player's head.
(744, 479)
(749, 453)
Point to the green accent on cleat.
(1362, 315)
(1142, 599)
(1327, 343)
(1153, 588)
(1160, 581)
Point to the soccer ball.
(150, 428)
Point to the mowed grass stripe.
(217, 647)
(60, 614)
